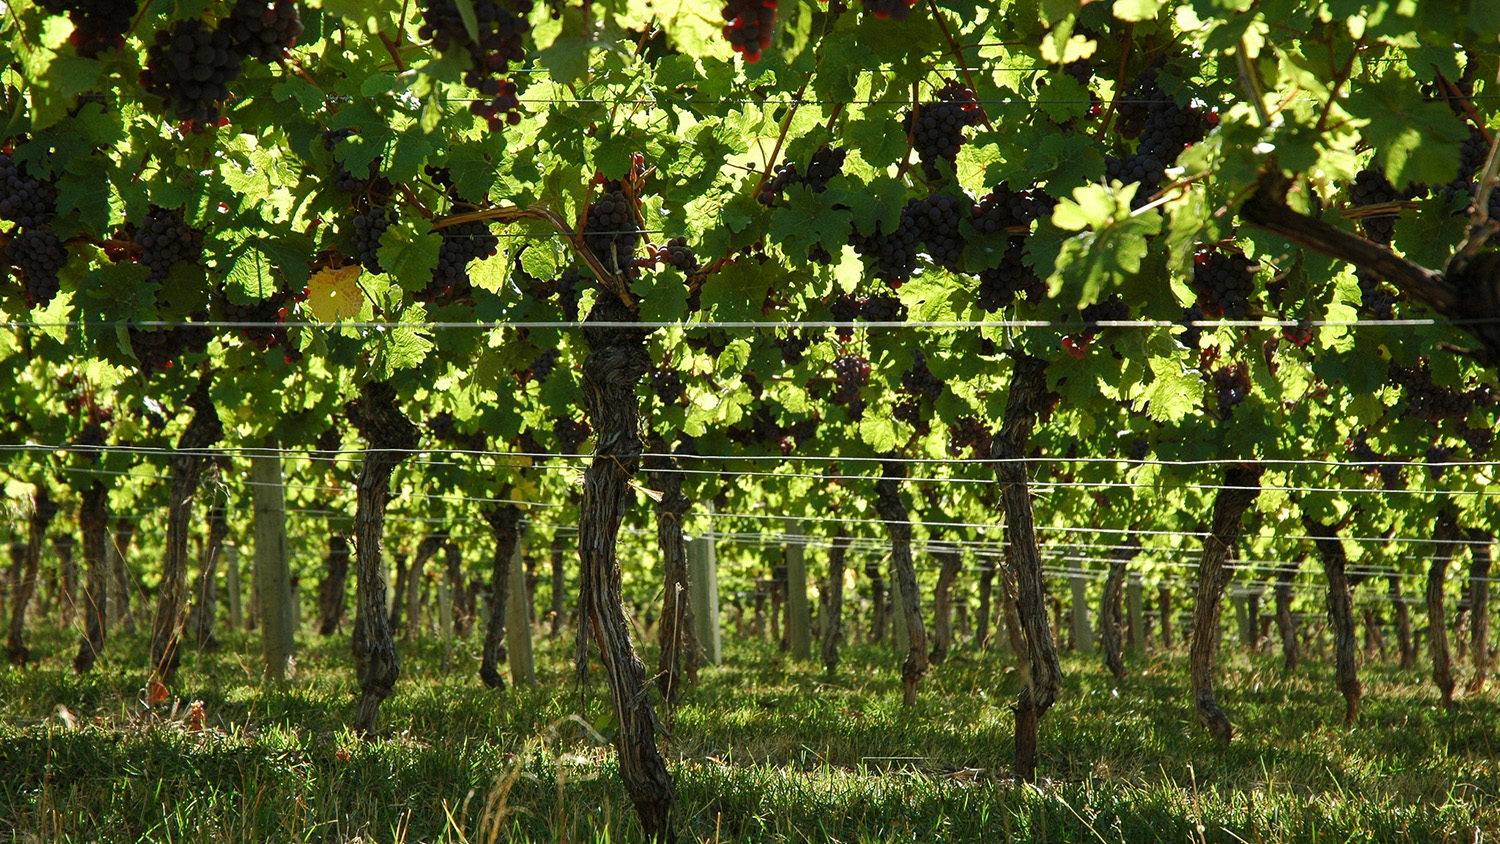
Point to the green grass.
(765, 749)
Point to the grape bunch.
(911, 411)
(570, 433)
(1170, 128)
(502, 26)
(462, 243)
(793, 346)
(541, 368)
(826, 163)
(898, 10)
(851, 374)
(1112, 309)
(971, 433)
(159, 349)
(882, 308)
(38, 255)
(749, 26)
(1139, 168)
(610, 230)
(919, 380)
(1003, 208)
(25, 200)
(1231, 387)
(566, 286)
(667, 383)
(266, 311)
(190, 67)
(343, 180)
(999, 286)
(1142, 98)
(1373, 462)
(757, 427)
(1371, 187)
(1225, 281)
(895, 254)
(264, 29)
(937, 128)
(1192, 334)
(937, 220)
(98, 25)
(165, 240)
(1426, 400)
(677, 254)
(845, 310)
(1437, 454)
(369, 224)
(1375, 299)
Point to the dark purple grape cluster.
(793, 346)
(851, 373)
(1426, 400)
(98, 25)
(898, 10)
(368, 225)
(264, 29)
(440, 425)
(165, 240)
(910, 410)
(1371, 187)
(159, 349)
(610, 230)
(845, 310)
(919, 380)
(38, 256)
(343, 180)
(1112, 309)
(757, 427)
(1170, 128)
(677, 254)
(1375, 299)
(502, 26)
(330, 441)
(266, 312)
(544, 365)
(749, 26)
(1192, 334)
(567, 288)
(882, 308)
(570, 433)
(937, 219)
(190, 67)
(937, 128)
(1478, 440)
(1231, 387)
(1142, 97)
(970, 432)
(27, 201)
(667, 383)
(895, 254)
(1142, 169)
(1225, 281)
(1437, 454)
(826, 163)
(1002, 208)
(999, 286)
(462, 243)
(1373, 462)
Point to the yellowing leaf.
(332, 294)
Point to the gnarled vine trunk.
(67, 578)
(615, 364)
(986, 615)
(833, 600)
(679, 643)
(415, 580)
(950, 562)
(390, 437)
(23, 584)
(331, 591)
(1285, 627)
(463, 601)
(1043, 676)
(505, 526)
(1340, 613)
(1241, 486)
(877, 601)
(1404, 641)
(1446, 536)
(206, 605)
(116, 553)
(558, 584)
(187, 463)
(1111, 613)
(897, 520)
(1479, 587)
(93, 524)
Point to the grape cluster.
(677, 254)
(793, 346)
(826, 163)
(1142, 98)
(882, 308)
(1170, 128)
(440, 425)
(894, 254)
(159, 348)
(610, 231)
(369, 224)
(937, 220)
(970, 432)
(1191, 334)
(165, 240)
(190, 67)
(38, 256)
(851, 373)
(749, 26)
(898, 10)
(1371, 187)
(25, 200)
(1375, 299)
(544, 365)
(98, 25)
(1437, 454)
(502, 27)
(269, 310)
(919, 381)
(570, 433)
(666, 382)
(462, 243)
(1002, 208)
(264, 29)
(343, 180)
(1373, 462)
(1139, 168)
(566, 286)
(1112, 309)
(937, 128)
(1225, 281)
(1426, 400)
(999, 286)
(1231, 387)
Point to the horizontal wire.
(869, 325)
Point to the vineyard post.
(273, 579)
(1240, 599)
(703, 581)
(232, 577)
(1083, 631)
(517, 624)
(800, 617)
(93, 523)
(1135, 610)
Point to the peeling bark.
(1340, 613)
(897, 518)
(678, 657)
(1241, 486)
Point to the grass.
(764, 749)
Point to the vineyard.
(776, 420)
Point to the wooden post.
(899, 635)
(272, 573)
(800, 615)
(1083, 632)
(518, 625)
(445, 609)
(1135, 611)
(703, 584)
(1241, 600)
(232, 580)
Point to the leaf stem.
(958, 55)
